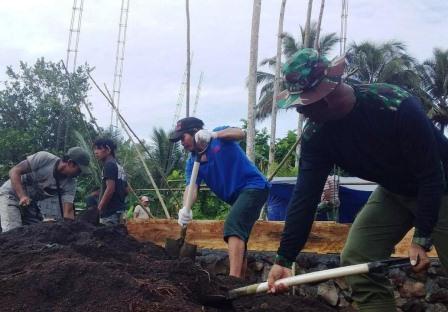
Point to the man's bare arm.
(236, 134)
(15, 175)
(69, 211)
(108, 192)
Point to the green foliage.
(39, 110)
(209, 207)
(262, 149)
(165, 156)
(282, 147)
(434, 75)
(385, 62)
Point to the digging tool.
(178, 247)
(91, 215)
(376, 266)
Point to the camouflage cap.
(309, 77)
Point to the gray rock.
(397, 277)
(413, 305)
(341, 283)
(442, 281)
(343, 303)
(265, 272)
(434, 293)
(400, 302)
(439, 295)
(436, 269)
(438, 307)
(308, 291)
(420, 276)
(328, 292)
(411, 289)
(257, 266)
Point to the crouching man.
(39, 176)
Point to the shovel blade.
(172, 247)
(91, 216)
(188, 251)
(178, 248)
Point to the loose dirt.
(75, 266)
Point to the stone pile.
(426, 291)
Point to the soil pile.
(75, 266)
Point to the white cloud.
(155, 48)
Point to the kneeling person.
(228, 172)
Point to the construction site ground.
(75, 266)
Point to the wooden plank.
(325, 237)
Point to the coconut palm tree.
(277, 83)
(319, 23)
(165, 156)
(434, 74)
(290, 46)
(386, 62)
(307, 42)
(187, 102)
(252, 83)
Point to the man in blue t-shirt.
(225, 168)
(377, 132)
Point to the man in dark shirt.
(114, 185)
(377, 132)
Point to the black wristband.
(282, 261)
(424, 242)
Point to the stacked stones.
(427, 291)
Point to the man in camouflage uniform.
(377, 132)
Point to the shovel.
(91, 215)
(178, 248)
(376, 266)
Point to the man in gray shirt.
(39, 176)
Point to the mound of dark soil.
(75, 266)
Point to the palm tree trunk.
(306, 44)
(253, 60)
(187, 7)
(277, 81)
(319, 23)
(306, 40)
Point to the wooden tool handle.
(194, 175)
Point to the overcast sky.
(220, 36)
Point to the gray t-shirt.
(40, 183)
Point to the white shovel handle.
(194, 175)
(302, 279)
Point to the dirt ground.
(75, 266)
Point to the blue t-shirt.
(227, 170)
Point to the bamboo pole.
(125, 126)
(292, 149)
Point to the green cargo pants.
(380, 225)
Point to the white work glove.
(203, 138)
(185, 216)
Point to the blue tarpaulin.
(352, 196)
